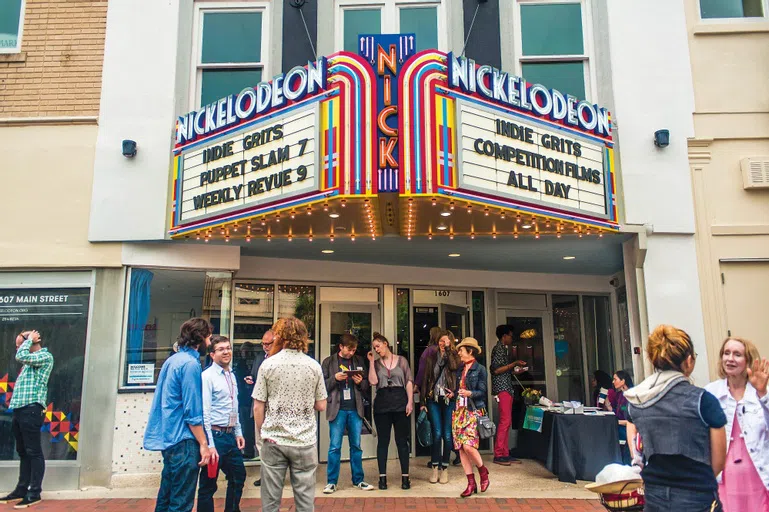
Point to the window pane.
(254, 306)
(61, 317)
(404, 329)
(731, 8)
(422, 21)
(10, 12)
(232, 37)
(159, 302)
(567, 77)
(218, 83)
(360, 21)
(600, 349)
(568, 348)
(552, 29)
(299, 301)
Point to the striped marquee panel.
(417, 124)
(357, 85)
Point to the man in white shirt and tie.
(222, 425)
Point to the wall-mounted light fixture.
(662, 138)
(129, 148)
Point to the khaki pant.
(302, 462)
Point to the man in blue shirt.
(222, 422)
(175, 425)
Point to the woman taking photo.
(742, 393)
(681, 427)
(616, 402)
(437, 392)
(394, 401)
(599, 380)
(471, 401)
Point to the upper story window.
(11, 22)
(230, 49)
(424, 18)
(552, 45)
(732, 9)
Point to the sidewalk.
(336, 504)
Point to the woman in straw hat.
(471, 393)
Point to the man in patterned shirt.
(30, 394)
(288, 391)
(502, 369)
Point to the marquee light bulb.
(451, 205)
(248, 239)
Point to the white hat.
(616, 479)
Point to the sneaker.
(329, 489)
(28, 502)
(363, 486)
(258, 482)
(456, 462)
(513, 460)
(11, 498)
(502, 461)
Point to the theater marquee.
(390, 141)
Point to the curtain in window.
(138, 311)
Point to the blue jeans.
(440, 420)
(179, 477)
(354, 423)
(661, 498)
(231, 464)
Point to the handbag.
(424, 430)
(486, 427)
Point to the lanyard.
(230, 387)
(347, 363)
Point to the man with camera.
(502, 370)
(30, 395)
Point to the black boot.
(382, 483)
(405, 482)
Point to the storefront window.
(299, 301)
(568, 348)
(61, 317)
(600, 350)
(479, 325)
(159, 302)
(404, 330)
(626, 349)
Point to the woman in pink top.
(742, 393)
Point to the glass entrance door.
(362, 321)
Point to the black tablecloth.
(572, 446)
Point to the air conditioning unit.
(755, 172)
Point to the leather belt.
(226, 430)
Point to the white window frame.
(586, 57)
(390, 17)
(757, 19)
(196, 73)
(17, 49)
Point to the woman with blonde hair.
(681, 427)
(438, 399)
(742, 393)
(394, 401)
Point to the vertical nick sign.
(386, 53)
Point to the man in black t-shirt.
(345, 376)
